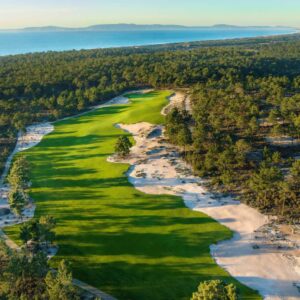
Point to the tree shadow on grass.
(136, 281)
(89, 116)
(151, 94)
(140, 245)
(83, 183)
(125, 223)
(67, 141)
(162, 205)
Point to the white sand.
(157, 169)
(283, 141)
(179, 100)
(30, 138)
(33, 135)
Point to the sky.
(80, 13)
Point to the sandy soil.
(260, 254)
(283, 141)
(179, 100)
(33, 135)
(30, 138)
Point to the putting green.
(126, 243)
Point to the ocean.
(20, 42)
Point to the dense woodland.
(243, 91)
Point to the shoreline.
(137, 45)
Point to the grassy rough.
(127, 243)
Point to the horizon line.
(142, 24)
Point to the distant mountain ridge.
(134, 27)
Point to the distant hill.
(46, 28)
(135, 27)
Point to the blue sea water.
(20, 42)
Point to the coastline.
(112, 44)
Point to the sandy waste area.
(262, 255)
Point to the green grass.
(129, 244)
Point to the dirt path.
(9, 243)
(92, 290)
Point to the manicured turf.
(132, 245)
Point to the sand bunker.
(179, 100)
(260, 255)
(33, 135)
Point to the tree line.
(48, 86)
(228, 138)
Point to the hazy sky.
(22, 13)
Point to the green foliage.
(264, 185)
(296, 124)
(295, 171)
(18, 177)
(59, 284)
(17, 200)
(291, 192)
(47, 225)
(123, 146)
(184, 136)
(215, 290)
(38, 231)
(233, 117)
(18, 180)
(177, 127)
(25, 275)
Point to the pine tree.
(18, 199)
(46, 226)
(38, 231)
(215, 290)
(123, 146)
(295, 176)
(184, 137)
(59, 285)
(18, 177)
(25, 275)
(265, 185)
(25, 232)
